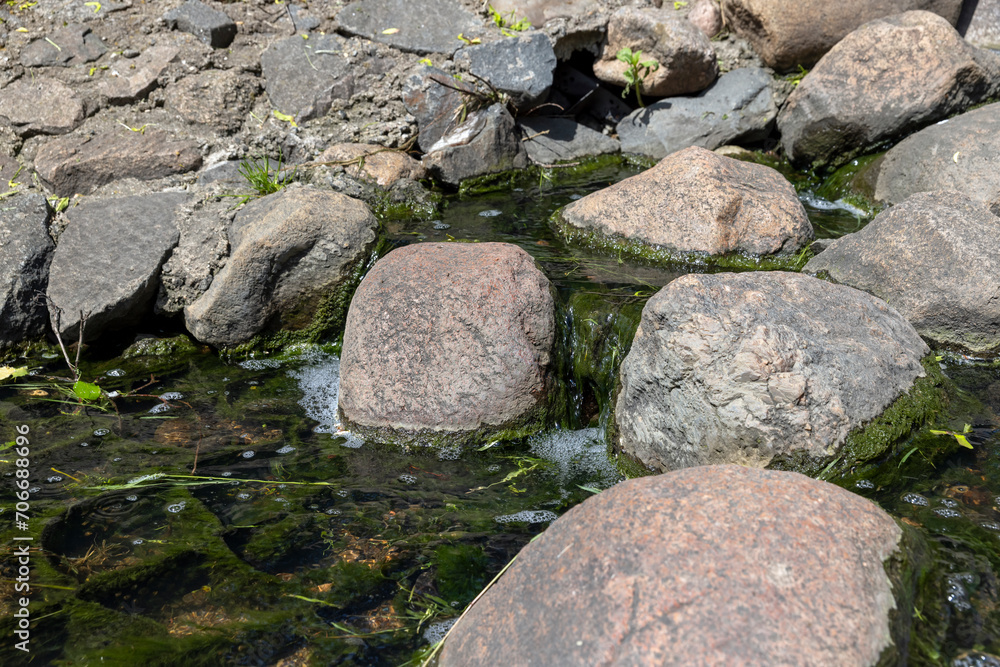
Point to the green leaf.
(285, 117)
(7, 372)
(962, 440)
(7, 445)
(86, 391)
(591, 489)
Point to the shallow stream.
(292, 544)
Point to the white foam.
(260, 364)
(319, 381)
(435, 632)
(528, 516)
(580, 453)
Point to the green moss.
(657, 255)
(576, 172)
(271, 546)
(461, 571)
(855, 183)
(160, 347)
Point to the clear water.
(295, 541)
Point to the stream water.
(292, 544)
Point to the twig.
(536, 134)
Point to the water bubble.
(407, 479)
(176, 507)
(915, 499)
(157, 409)
(281, 500)
(137, 541)
(575, 196)
(113, 394)
(253, 383)
(243, 496)
(435, 632)
(212, 391)
(342, 493)
(259, 364)
(132, 498)
(34, 489)
(116, 373)
(441, 225)
(957, 593)
(332, 512)
(947, 512)
(490, 213)
(493, 468)
(85, 444)
(865, 484)
(948, 502)
(990, 525)
(226, 474)
(101, 432)
(287, 449)
(172, 396)
(116, 459)
(248, 454)
(528, 516)
(53, 479)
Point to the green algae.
(854, 183)
(558, 175)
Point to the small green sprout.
(636, 71)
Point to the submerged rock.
(887, 64)
(486, 143)
(693, 201)
(934, 257)
(957, 154)
(448, 340)
(739, 107)
(25, 255)
(107, 263)
(296, 255)
(710, 565)
(686, 59)
(743, 368)
(786, 34)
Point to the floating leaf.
(390, 31)
(285, 117)
(7, 372)
(86, 391)
(961, 439)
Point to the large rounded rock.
(686, 58)
(959, 154)
(744, 367)
(717, 565)
(693, 201)
(786, 34)
(916, 255)
(295, 257)
(888, 77)
(447, 339)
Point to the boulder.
(25, 255)
(786, 34)
(39, 105)
(887, 64)
(447, 340)
(304, 76)
(430, 26)
(81, 164)
(296, 255)
(211, 26)
(521, 67)
(66, 47)
(435, 99)
(980, 23)
(141, 77)
(219, 99)
(550, 140)
(746, 367)
(957, 154)
(739, 107)
(693, 201)
(486, 143)
(686, 59)
(717, 565)
(107, 263)
(916, 255)
(706, 16)
(383, 165)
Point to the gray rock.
(428, 26)
(211, 26)
(435, 99)
(956, 154)
(219, 99)
(540, 12)
(294, 253)
(718, 565)
(69, 46)
(140, 77)
(693, 201)
(888, 63)
(75, 164)
(25, 254)
(916, 255)
(552, 140)
(107, 263)
(200, 252)
(302, 21)
(739, 107)
(486, 143)
(980, 23)
(743, 367)
(447, 340)
(687, 61)
(304, 77)
(787, 34)
(225, 173)
(522, 67)
(41, 106)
